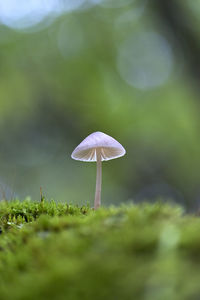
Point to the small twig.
(42, 198)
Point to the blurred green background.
(129, 68)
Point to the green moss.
(58, 251)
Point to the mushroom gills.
(106, 154)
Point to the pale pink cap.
(86, 150)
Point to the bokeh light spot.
(131, 15)
(145, 60)
(71, 39)
(28, 13)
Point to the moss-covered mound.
(59, 251)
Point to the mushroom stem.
(97, 201)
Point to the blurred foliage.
(146, 251)
(102, 67)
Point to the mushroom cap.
(109, 147)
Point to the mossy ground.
(60, 251)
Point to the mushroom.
(98, 147)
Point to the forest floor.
(52, 250)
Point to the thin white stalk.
(97, 201)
